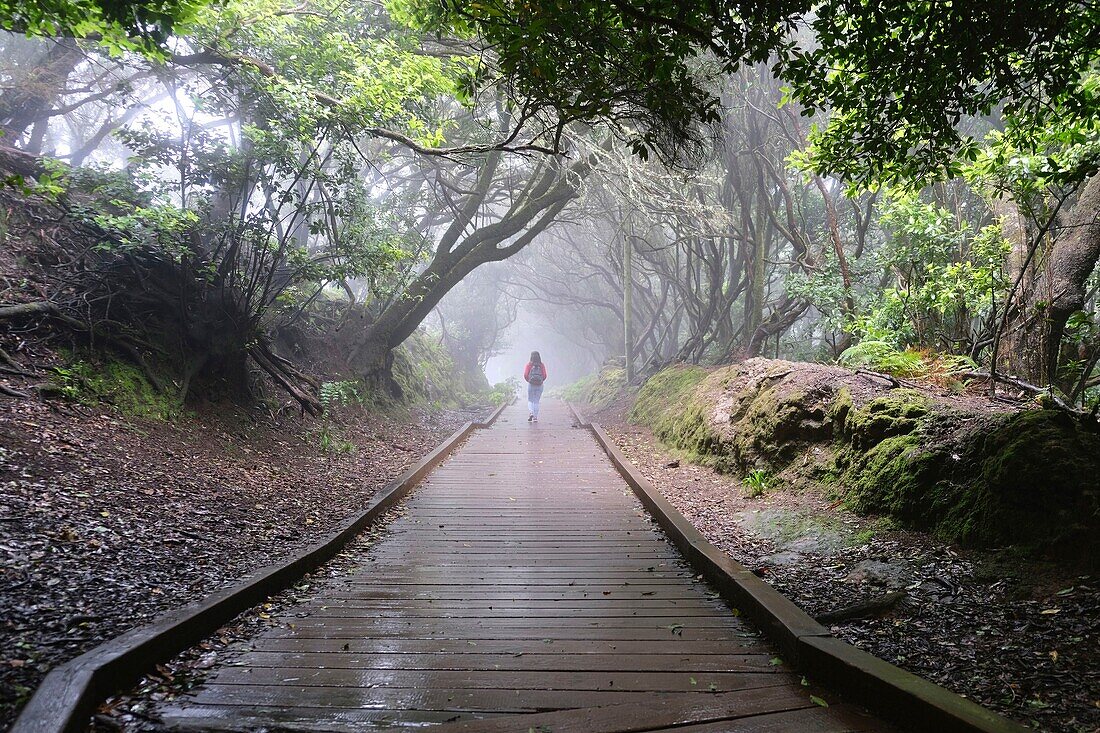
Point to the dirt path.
(107, 521)
(1020, 638)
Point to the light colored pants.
(534, 394)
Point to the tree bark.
(30, 99)
(1049, 296)
(457, 256)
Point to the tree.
(480, 230)
(141, 25)
(898, 77)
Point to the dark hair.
(535, 358)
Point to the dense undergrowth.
(160, 327)
(966, 470)
(424, 370)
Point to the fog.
(584, 253)
(566, 361)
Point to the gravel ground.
(106, 521)
(1022, 638)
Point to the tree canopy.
(781, 173)
(899, 78)
(143, 25)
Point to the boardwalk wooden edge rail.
(901, 696)
(70, 692)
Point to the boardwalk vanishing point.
(523, 587)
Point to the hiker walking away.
(535, 374)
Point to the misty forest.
(812, 288)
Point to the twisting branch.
(240, 61)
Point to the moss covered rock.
(427, 375)
(893, 414)
(1040, 475)
(1027, 479)
(121, 384)
(608, 387)
(665, 396)
(1030, 479)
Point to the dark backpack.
(536, 376)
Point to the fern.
(341, 393)
(884, 357)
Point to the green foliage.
(116, 383)
(591, 61)
(756, 482)
(883, 357)
(930, 285)
(899, 78)
(341, 67)
(504, 391)
(1029, 157)
(349, 238)
(880, 356)
(50, 184)
(133, 25)
(343, 393)
(947, 276)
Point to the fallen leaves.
(105, 523)
(1031, 655)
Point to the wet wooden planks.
(523, 579)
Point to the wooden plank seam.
(911, 701)
(69, 694)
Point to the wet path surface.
(523, 578)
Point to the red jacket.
(527, 372)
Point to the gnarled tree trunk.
(1052, 290)
(459, 253)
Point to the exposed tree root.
(872, 607)
(894, 381)
(301, 386)
(1034, 389)
(24, 310)
(14, 393)
(12, 366)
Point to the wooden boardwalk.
(523, 588)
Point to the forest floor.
(107, 521)
(1018, 636)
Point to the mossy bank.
(423, 370)
(961, 467)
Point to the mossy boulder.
(778, 423)
(895, 413)
(121, 384)
(427, 375)
(893, 477)
(597, 390)
(1030, 479)
(1042, 467)
(609, 387)
(695, 436)
(1027, 479)
(665, 396)
(765, 424)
